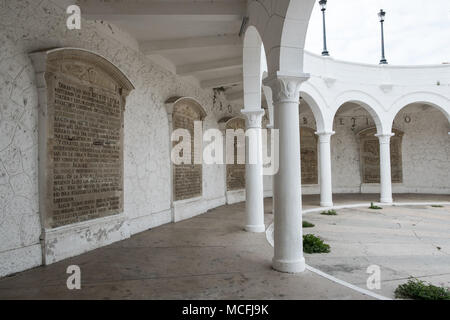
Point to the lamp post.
(381, 16)
(323, 7)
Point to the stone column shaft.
(288, 238)
(385, 167)
(254, 187)
(326, 191)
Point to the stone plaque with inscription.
(370, 156)
(81, 134)
(187, 177)
(308, 150)
(236, 171)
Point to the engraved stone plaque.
(236, 171)
(308, 150)
(187, 177)
(81, 133)
(370, 156)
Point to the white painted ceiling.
(197, 39)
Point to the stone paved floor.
(207, 257)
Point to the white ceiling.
(197, 39)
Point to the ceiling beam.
(158, 46)
(216, 65)
(222, 82)
(147, 8)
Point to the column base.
(326, 204)
(255, 228)
(287, 266)
(386, 200)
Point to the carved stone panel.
(235, 171)
(370, 156)
(81, 137)
(309, 158)
(187, 177)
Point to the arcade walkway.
(207, 257)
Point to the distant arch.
(317, 104)
(364, 100)
(435, 100)
(176, 101)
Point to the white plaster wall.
(27, 26)
(345, 163)
(425, 149)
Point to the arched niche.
(187, 178)
(370, 156)
(235, 174)
(82, 99)
(309, 156)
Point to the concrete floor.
(211, 257)
(404, 241)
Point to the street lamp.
(323, 7)
(381, 16)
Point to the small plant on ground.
(437, 206)
(307, 224)
(329, 213)
(419, 290)
(313, 244)
(374, 207)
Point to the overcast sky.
(416, 31)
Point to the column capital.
(254, 117)
(325, 136)
(285, 87)
(385, 138)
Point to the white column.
(169, 109)
(254, 187)
(223, 128)
(385, 167)
(326, 192)
(288, 237)
(270, 127)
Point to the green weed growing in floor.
(307, 224)
(419, 290)
(329, 213)
(313, 244)
(437, 206)
(374, 207)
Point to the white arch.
(369, 103)
(433, 99)
(172, 102)
(317, 104)
(252, 65)
(282, 25)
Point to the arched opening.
(425, 149)
(308, 147)
(352, 121)
(187, 178)
(235, 174)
